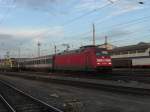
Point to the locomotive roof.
(81, 49)
(39, 58)
(88, 46)
(139, 46)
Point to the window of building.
(124, 52)
(140, 51)
(132, 52)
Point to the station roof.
(139, 46)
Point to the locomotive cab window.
(102, 53)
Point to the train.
(139, 62)
(86, 58)
(133, 56)
(8, 64)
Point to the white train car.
(141, 62)
(131, 56)
(43, 63)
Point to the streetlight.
(112, 1)
(141, 2)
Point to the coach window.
(125, 52)
(48, 61)
(140, 51)
(36, 61)
(132, 52)
(42, 61)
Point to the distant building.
(141, 49)
(108, 46)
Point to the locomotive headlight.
(109, 63)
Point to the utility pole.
(19, 56)
(93, 34)
(39, 45)
(106, 38)
(19, 53)
(55, 49)
(67, 46)
(7, 55)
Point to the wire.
(85, 14)
(77, 18)
(120, 25)
(128, 22)
(88, 13)
(130, 38)
(7, 12)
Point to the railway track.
(91, 84)
(15, 100)
(5, 106)
(126, 77)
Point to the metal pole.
(106, 41)
(93, 34)
(55, 49)
(39, 44)
(19, 54)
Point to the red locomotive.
(87, 58)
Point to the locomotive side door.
(87, 61)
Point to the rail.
(22, 102)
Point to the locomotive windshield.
(102, 53)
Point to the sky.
(24, 23)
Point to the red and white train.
(133, 56)
(87, 58)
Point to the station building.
(139, 50)
(108, 46)
(131, 56)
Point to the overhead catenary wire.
(120, 40)
(77, 18)
(73, 20)
(85, 14)
(8, 11)
(146, 36)
(128, 22)
(119, 25)
(81, 16)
